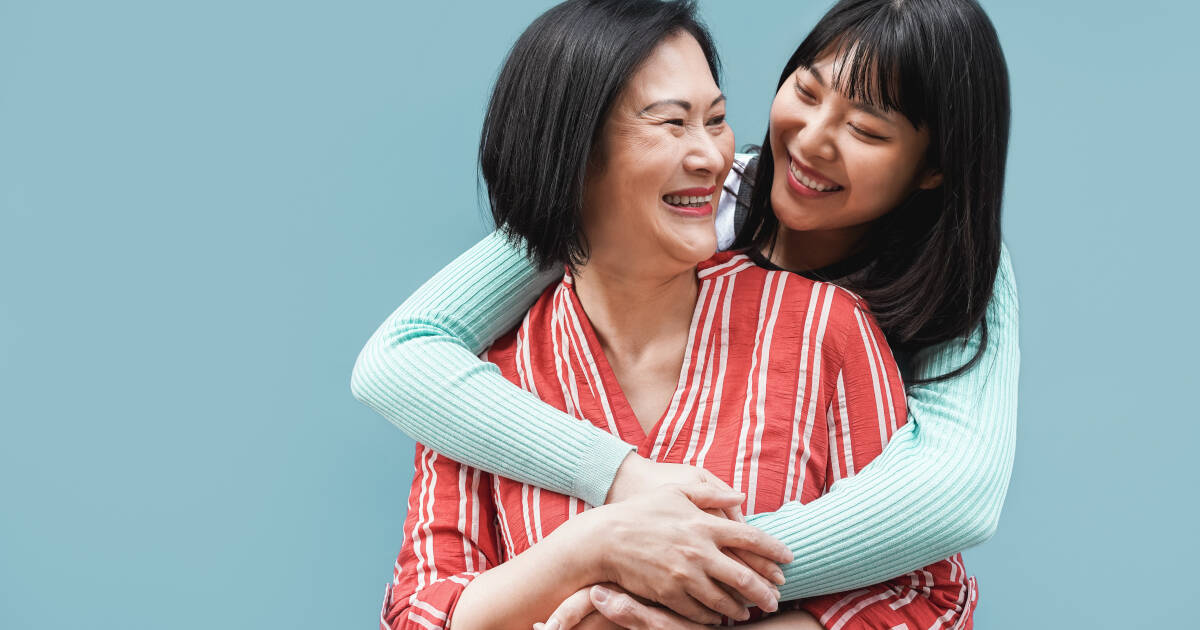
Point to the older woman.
(604, 149)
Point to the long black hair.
(550, 103)
(934, 258)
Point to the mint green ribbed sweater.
(937, 488)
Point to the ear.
(932, 178)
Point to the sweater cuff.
(598, 467)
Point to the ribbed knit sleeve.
(938, 486)
(420, 370)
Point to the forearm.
(420, 371)
(528, 588)
(938, 486)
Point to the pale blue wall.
(206, 209)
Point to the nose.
(815, 139)
(704, 156)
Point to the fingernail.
(552, 624)
(539, 626)
(600, 594)
(778, 576)
(772, 605)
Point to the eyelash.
(866, 134)
(803, 92)
(679, 122)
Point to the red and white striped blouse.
(787, 387)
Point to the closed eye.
(803, 92)
(866, 134)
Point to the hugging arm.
(940, 482)
(937, 488)
(420, 371)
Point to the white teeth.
(808, 182)
(686, 200)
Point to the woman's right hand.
(662, 545)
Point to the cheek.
(881, 178)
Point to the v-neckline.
(626, 420)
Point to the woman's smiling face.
(657, 169)
(839, 163)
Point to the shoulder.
(727, 207)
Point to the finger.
(744, 580)
(710, 594)
(571, 611)
(763, 566)
(732, 513)
(707, 495)
(626, 612)
(683, 604)
(749, 538)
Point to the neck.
(631, 310)
(814, 249)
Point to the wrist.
(585, 541)
(628, 478)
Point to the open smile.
(809, 183)
(693, 202)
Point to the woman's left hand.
(623, 610)
(610, 606)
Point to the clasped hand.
(674, 536)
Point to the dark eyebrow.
(686, 105)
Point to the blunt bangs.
(879, 58)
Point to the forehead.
(676, 68)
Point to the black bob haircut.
(934, 258)
(549, 105)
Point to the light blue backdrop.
(206, 208)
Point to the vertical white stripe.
(689, 372)
(525, 514)
(475, 498)
(862, 331)
(417, 542)
(760, 420)
(468, 553)
(537, 514)
(505, 532)
(802, 386)
(706, 382)
(810, 418)
(581, 340)
(887, 379)
(835, 466)
(387, 597)
(433, 572)
(710, 429)
(847, 441)
(746, 417)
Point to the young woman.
(922, 246)
(639, 338)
